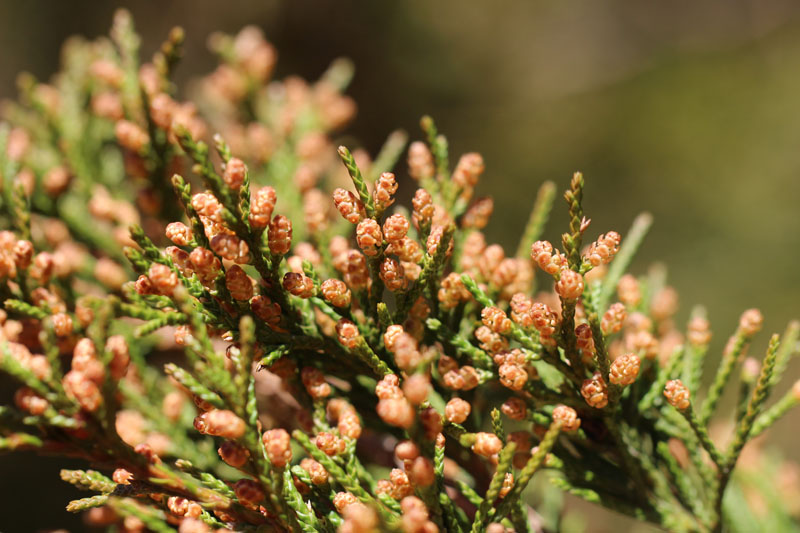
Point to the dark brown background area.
(688, 110)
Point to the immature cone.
(317, 472)
(594, 391)
(330, 443)
(420, 161)
(348, 333)
(336, 292)
(385, 187)
(699, 331)
(515, 408)
(542, 254)
(277, 444)
(262, 203)
(422, 214)
(452, 291)
(393, 275)
(624, 369)
(179, 233)
(83, 390)
(613, 319)
(266, 310)
(248, 492)
(164, 280)
(369, 237)
(469, 168)
(395, 228)
(233, 454)
(280, 235)
(220, 423)
(477, 216)
(457, 410)
(396, 412)
(234, 174)
(314, 382)
(513, 376)
(238, 283)
(628, 290)
(570, 285)
(602, 251)
(230, 247)
(677, 394)
(584, 341)
(298, 285)
(348, 204)
(487, 444)
(495, 319)
(750, 322)
(566, 417)
(131, 136)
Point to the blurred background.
(687, 110)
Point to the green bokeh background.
(688, 110)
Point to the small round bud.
(238, 283)
(750, 322)
(317, 472)
(131, 136)
(280, 235)
(230, 247)
(495, 319)
(585, 341)
(393, 275)
(422, 472)
(277, 444)
(330, 443)
(602, 251)
(512, 376)
(348, 333)
(515, 408)
(423, 210)
(699, 331)
(487, 444)
(570, 285)
(233, 454)
(298, 284)
(385, 188)
(369, 237)
(163, 278)
(477, 216)
(342, 500)
(234, 174)
(248, 492)
(179, 233)
(594, 391)
(566, 417)
(396, 412)
(420, 161)
(314, 382)
(348, 204)
(336, 292)
(457, 410)
(220, 423)
(416, 388)
(395, 228)
(469, 168)
(62, 324)
(613, 319)
(262, 203)
(677, 394)
(628, 290)
(624, 369)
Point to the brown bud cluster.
(677, 394)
